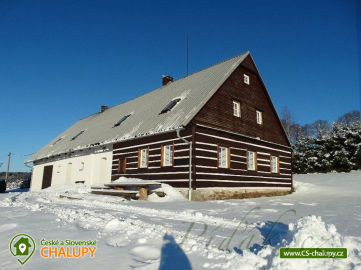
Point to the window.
(167, 155)
(223, 157)
(259, 117)
(274, 164)
(236, 109)
(143, 158)
(245, 79)
(251, 161)
(121, 120)
(77, 135)
(170, 105)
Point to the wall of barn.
(90, 166)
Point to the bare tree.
(297, 132)
(320, 128)
(287, 120)
(348, 118)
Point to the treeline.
(322, 147)
(17, 179)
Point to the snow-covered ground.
(172, 233)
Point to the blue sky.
(61, 60)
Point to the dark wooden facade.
(215, 126)
(176, 175)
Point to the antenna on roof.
(187, 57)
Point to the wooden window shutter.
(119, 165)
(125, 165)
(161, 155)
(139, 155)
(278, 164)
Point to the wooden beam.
(143, 193)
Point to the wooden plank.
(161, 156)
(143, 193)
(139, 155)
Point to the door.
(47, 176)
(122, 165)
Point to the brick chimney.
(166, 79)
(103, 108)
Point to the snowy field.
(325, 211)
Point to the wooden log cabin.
(213, 134)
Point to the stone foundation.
(226, 194)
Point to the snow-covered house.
(215, 131)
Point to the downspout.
(190, 165)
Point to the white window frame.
(236, 108)
(274, 164)
(246, 79)
(251, 156)
(144, 155)
(223, 159)
(259, 117)
(167, 155)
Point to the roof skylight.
(77, 135)
(121, 120)
(54, 143)
(170, 106)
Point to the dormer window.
(245, 79)
(77, 135)
(170, 106)
(121, 120)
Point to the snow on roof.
(145, 118)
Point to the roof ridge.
(228, 59)
(181, 78)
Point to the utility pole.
(7, 168)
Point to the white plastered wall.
(92, 168)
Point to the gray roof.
(194, 90)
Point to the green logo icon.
(22, 246)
